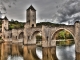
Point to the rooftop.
(31, 7)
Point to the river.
(32, 52)
(62, 52)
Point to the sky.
(55, 11)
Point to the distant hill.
(48, 24)
(15, 25)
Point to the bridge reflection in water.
(9, 51)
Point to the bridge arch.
(53, 37)
(35, 33)
(58, 30)
(21, 35)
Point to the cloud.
(2, 7)
(4, 4)
(8, 1)
(70, 11)
(16, 8)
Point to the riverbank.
(65, 42)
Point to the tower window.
(32, 25)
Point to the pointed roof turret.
(32, 8)
(5, 18)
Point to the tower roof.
(5, 18)
(32, 8)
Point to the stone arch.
(54, 33)
(21, 35)
(33, 36)
(53, 38)
(35, 32)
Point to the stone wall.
(77, 36)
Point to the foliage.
(38, 38)
(15, 25)
(64, 35)
(48, 24)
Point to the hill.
(48, 24)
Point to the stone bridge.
(49, 34)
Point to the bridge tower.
(4, 26)
(31, 16)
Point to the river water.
(32, 52)
(62, 52)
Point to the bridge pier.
(49, 50)
(49, 47)
(77, 37)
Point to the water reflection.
(39, 52)
(65, 52)
(32, 52)
(15, 58)
(62, 52)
